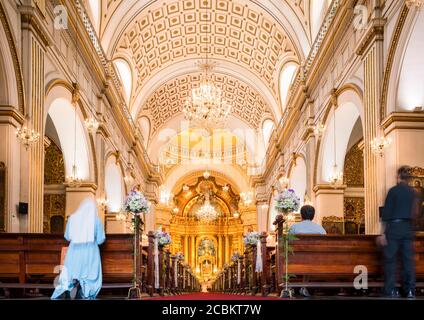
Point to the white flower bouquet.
(287, 201)
(235, 257)
(251, 238)
(136, 203)
(163, 238)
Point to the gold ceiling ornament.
(417, 4)
(207, 212)
(379, 144)
(27, 136)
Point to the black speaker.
(23, 208)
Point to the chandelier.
(206, 107)
(418, 4)
(207, 212)
(27, 137)
(73, 181)
(378, 145)
(336, 176)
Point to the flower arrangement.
(180, 256)
(235, 257)
(287, 201)
(136, 203)
(163, 237)
(251, 238)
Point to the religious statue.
(206, 248)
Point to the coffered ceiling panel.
(180, 30)
(169, 98)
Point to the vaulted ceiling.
(163, 42)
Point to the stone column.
(262, 215)
(34, 42)
(328, 201)
(193, 252)
(227, 249)
(74, 196)
(220, 264)
(186, 252)
(10, 120)
(371, 49)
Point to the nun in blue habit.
(82, 272)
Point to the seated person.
(307, 213)
(306, 227)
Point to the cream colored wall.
(407, 149)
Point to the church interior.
(209, 109)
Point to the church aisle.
(212, 296)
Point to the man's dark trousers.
(400, 241)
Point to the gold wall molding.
(403, 120)
(9, 112)
(390, 59)
(16, 63)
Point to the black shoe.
(304, 292)
(410, 294)
(393, 294)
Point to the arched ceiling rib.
(167, 100)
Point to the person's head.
(307, 212)
(417, 183)
(403, 174)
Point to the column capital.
(375, 32)
(32, 20)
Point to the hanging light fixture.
(27, 137)
(207, 212)
(336, 176)
(379, 144)
(206, 107)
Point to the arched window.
(267, 128)
(125, 74)
(286, 80)
(113, 186)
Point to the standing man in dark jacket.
(398, 213)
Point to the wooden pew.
(329, 261)
(31, 261)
